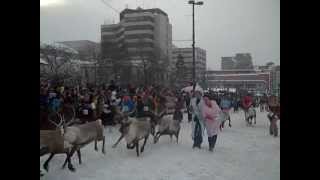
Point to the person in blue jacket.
(225, 105)
(225, 102)
(127, 104)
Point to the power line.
(107, 4)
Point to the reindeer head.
(63, 124)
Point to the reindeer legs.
(103, 143)
(70, 166)
(137, 147)
(66, 160)
(177, 136)
(113, 146)
(155, 138)
(46, 164)
(95, 145)
(229, 118)
(79, 156)
(144, 143)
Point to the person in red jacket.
(247, 102)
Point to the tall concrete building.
(227, 63)
(141, 34)
(243, 61)
(200, 59)
(239, 61)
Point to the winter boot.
(210, 144)
(271, 130)
(213, 142)
(275, 131)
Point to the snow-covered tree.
(60, 66)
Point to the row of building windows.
(107, 37)
(111, 29)
(139, 44)
(113, 37)
(139, 18)
(139, 36)
(139, 27)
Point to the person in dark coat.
(112, 86)
(188, 100)
(139, 107)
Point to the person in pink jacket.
(210, 113)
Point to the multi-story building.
(239, 79)
(200, 60)
(227, 63)
(243, 61)
(141, 35)
(274, 71)
(239, 61)
(275, 77)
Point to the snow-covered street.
(241, 153)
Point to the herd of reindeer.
(67, 131)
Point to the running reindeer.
(68, 138)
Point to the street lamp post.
(193, 42)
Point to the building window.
(139, 36)
(140, 18)
(139, 27)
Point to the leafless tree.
(154, 63)
(115, 57)
(60, 66)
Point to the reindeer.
(81, 135)
(71, 139)
(168, 126)
(122, 119)
(54, 142)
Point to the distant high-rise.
(243, 61)
(200, 60)
(140, 34)
(227, 63)
(239, 61)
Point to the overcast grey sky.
(223, 27)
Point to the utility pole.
(193, 43)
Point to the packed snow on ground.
(241, 153)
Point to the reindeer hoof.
(46, 168)
(72, 169)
